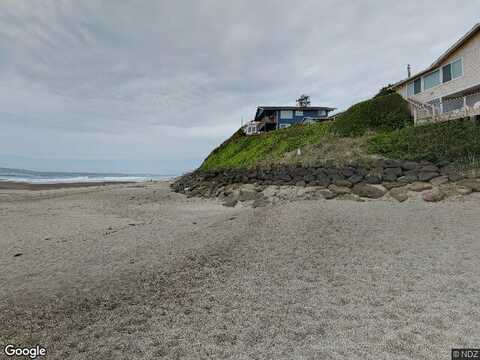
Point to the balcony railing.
(448, 109)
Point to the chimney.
(409, 70)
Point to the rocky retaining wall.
(370, 181)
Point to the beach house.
(449, 88)
(268, 118)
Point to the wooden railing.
(462, 107)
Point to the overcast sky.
(155, 85)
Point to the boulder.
(433, 195)
(426, 176)
(355, 179)
(392, 185)
(408, 179)
(409, 165)
(461, 190)
(339, 190)
(373, 179)
(389, 177)
(327, 194)
(439, 180)
(397, 171)
(429, 168)
(472, 184)
(369, 191)
(347, 172)
(399, 194)
(260, 202)
(420, 186)
(230, 203)
(343, 183)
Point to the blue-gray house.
(269, 118)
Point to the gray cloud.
(171, 79)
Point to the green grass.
(241, 151)
(455, 141)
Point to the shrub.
(386, 90)
(450, 141)
(387, 112)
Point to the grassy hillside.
(345, 136)
(450, 141)
(248, 151)
(381, 126)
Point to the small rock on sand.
(327, 194)
(230, 203)
(399, 194)
(433, 195)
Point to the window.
(431, 80)
(417, 86)
(286, 114)
(447, 73)
(453, 70)
(299, 113)
(283, 126)
(410, 90)
(457, 68)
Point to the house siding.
(470, 53)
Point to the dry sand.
(139, 272)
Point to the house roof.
(261, 109)
(444, 56)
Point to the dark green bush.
(386, 90)
(387, 112)
(451, 141)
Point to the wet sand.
(11, 185)
(135, 271)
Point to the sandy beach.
(135, 271)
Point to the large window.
(299, 113)
(286, 114)
(431, 80)
(414, 88)
(417, 86)
(453, 70)
(446, 73)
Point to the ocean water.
(46, 177)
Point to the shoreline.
(12, 185)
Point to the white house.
(450, 87)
